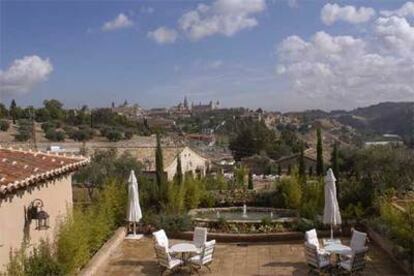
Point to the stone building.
(191, 161)
(287, 163)
(35, 194)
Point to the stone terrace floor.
(138, 258)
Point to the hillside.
(382, 118)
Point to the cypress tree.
(250, 183)
(334, 160)
(319, 153)
(179, 174)
(159, 170)
(13, 110)
(302, 172)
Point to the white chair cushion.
(312, 237)
(199, 237)
(358, 240)
(196, 259)
(161, 238)
(347, 265)
(324, 262)
(175, 262)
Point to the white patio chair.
(161, 238)
(356, 263)
(165, 260)
(358, 241)
(312, 238)
(316, 261)
(205, 258)
(199, 237)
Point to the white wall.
(57, 198)
(190, 161)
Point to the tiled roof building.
(35, 195)
(19, 168)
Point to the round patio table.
(337, 248)
(186, 250)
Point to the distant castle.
(130, 111)
(196, 108)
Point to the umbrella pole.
(331, 233)
(135, 229)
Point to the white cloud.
(23, 74)
(163, 35)
(331, 13)
(397, 35)
(405, 11)
(225, 17)
(346, 71)
(120, 22)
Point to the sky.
(283, 55)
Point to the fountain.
(239, 214)
(244, 211)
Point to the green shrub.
(23, 136)
(54, 135)
(266, 221)
(304, 225)
(291, 191)
(48, 125)
(207, 200)
(128, 134)
(174, 223)
(4, 125)
(82, 234)
(82, 134)
(312, 199)
(113, 135)
(40, 262)
(193, 192)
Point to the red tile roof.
(19, 168)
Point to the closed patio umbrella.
(331, 212)
(134, 214)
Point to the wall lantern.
(35, 212)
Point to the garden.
(369, 180)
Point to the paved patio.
(138, 258)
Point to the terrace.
(281, 258)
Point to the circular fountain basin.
(236, 214)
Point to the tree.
(319, 153)
(253, 138)
(239, 174)
(54, 135)
(279, 170)
(13, 111)
(106, 165)
(301, 165)
(113, 135)
(4, 125)
(250, 183)
(159, 171)
(54, 108)
(179, 174)
(3, 111)
(334, 160)
(291, 192)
